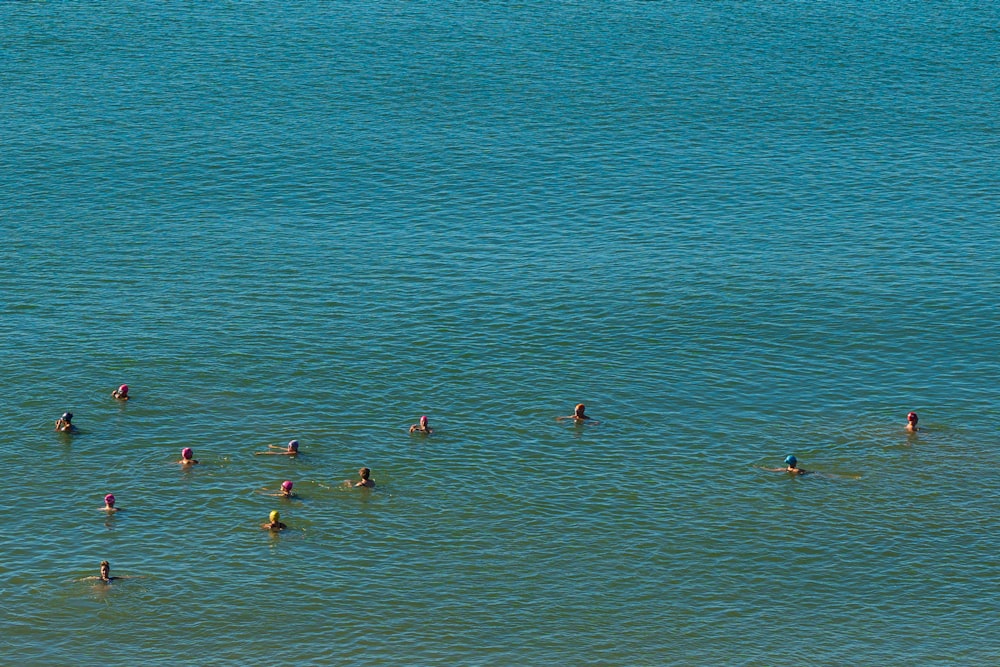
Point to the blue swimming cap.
(791, 460)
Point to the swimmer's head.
(67, 416)
(580, 408)
(293, 446)
(791, 460)
(123, 390)
(423, 420)
(365, 473)
(912, 418)
(105, 568)
(274, 516)
(187, 454)
(286, 485)
(110, 500)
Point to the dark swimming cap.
(68, 416)
(293, 445)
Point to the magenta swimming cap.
(123, 389)
(110, 499)
(186, 453)
(286, 485)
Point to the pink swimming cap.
(286, 485)
(912, 417)
(110, 499)
(186, 453)
(424, 418)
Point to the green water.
(734, 230)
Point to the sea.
(734, 230)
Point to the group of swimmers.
(274, 523)
(792, 463)
(65, 425)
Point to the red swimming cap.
(912, 417)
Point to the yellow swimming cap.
(275, 516)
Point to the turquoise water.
(734, 230)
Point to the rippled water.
(735, 230)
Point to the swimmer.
(109, 504)
(65, 423)
(187, 457)
(285, 490)
(366, 480)
(792, 466)
(291, 450)
(121, 393)
(911, 422)
(274, 523)
(579, 415)
(106, 574)
(422, 427)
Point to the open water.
(735, 230)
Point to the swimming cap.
(110, 499)
(423, 418)
(274, 516)
(294, 445)
(286, 485)
(68, 416)
(791, 460)
(123, 389)
(912, 417)
(186, 453)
